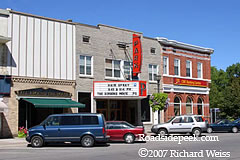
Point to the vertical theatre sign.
(137, 55)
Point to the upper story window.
(199, 70)
(127, 70)
(177, 67)
(153, 50)
(153, 71)
(86, 39)
(165, 65)
(112, 68)
(188, 68)
(86, 65)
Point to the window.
(177, 106)
(86, 39)
(199, 70)
(189, 105)
(153, 71)
(188, 68)
(90, 120)
(200, 106)
(112, 68)
(145, 110)
(199, 119)
(177, 120)
(127, 70)
(70, 120)
(153, 50)
(53, 121)
(165, 65)
(86, 65)
(187, 120)
(177, 67)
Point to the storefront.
(120, 100)
(37, 104)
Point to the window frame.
(153, 49)
(152, 72)
(120, 69)
(201, 77)
(167, 65)
(190, 67)
(179, 66)
(84, 36)
(85, 66)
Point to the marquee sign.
(190, 82)
(119, 89)
(137, 55)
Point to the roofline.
(42, 17)
(120, 28)
(4, 12)
(174, 43)
(86, 25)
(151, 38)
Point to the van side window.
(53, 121)
(90, 120)
(70, 120)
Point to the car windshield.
(236, 121)
(170, 119)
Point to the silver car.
(194, 124)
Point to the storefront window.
(200, 106)
(145, 110)
(189, 105)
(177, 105)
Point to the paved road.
(11, 149)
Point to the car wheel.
(234, 129)
(162, 132)
(129, 138)
(37, 141)
(209, 130)
(197, 132)
(87, 141)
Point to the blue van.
(86, 128)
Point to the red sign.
(189, 82)
(137, 55)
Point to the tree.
(158, 101)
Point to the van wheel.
(234, 129)
(209, 130)
(197, 132)
(37, 141)
(129, 138)
(162, 132)
(87, 141)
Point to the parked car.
(194, 124)
(84, 128)
(224, 125)
(123, 131)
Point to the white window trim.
(167, 65)
(85, 66)
(180, 106)
(191, 105)
(121, 67)
(152, 81)
(179, 62)
(190, 68)
(201, 70)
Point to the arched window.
(177, 105)
(189, 105)
(200, 106)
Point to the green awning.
(54, 103)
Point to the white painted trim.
(166, 65)
(184, 55)
(85, 66)
(185, 89)
(208, 80)
(152, 81)
(19, 97)
(201, 69)
(189, 52)
(179, 66)
(190, 68)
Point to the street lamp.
(158, 77)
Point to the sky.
(206, 23)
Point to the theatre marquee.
(119, 89)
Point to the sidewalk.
(9, 141)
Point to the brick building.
(186, 78)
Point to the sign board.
(119, 89)
(190, 82)
(137, 55)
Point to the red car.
(121, 130)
